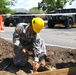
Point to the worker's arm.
(16, 35)
(16, 39)
(39, 48)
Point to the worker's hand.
(36, 65)
(23, 51)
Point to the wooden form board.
(65, 71)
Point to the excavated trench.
(57, 57)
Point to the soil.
(58, 58)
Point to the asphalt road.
(55, 37)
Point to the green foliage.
(4, 6)
(35, 10)
(13, 11)
(49, 5)
(4, 10)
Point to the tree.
(48, 5)
(35, 10)
(4, 6)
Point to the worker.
(26, 38)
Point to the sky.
(28, 4)
(71, 6)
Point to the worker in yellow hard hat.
(27, 41)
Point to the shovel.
(6, 63)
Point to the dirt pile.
(58, 58)
(6, 49)
(61, 57)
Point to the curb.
(60, 46)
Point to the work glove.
(36, 65)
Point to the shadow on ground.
(65, 65)
(7, 65)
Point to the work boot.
(42, 62)
(43, 66)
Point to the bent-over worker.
(26, 38)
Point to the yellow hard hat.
(37, 24)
